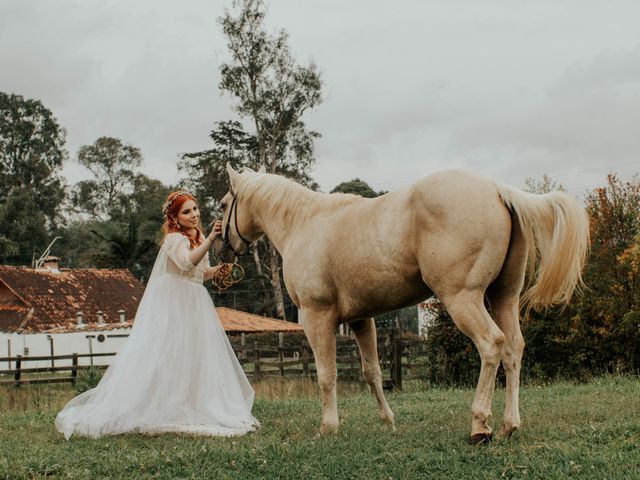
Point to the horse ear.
(233, 176)
(262, 169)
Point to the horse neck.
(277, 216)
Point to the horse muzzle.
(223, 251)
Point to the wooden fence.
(19, 369)
(399, 358)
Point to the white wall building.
(65, 310)
(41, 344)
(426, 315)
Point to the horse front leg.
(365, 333)
(320, 331)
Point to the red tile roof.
(233, 321)
(46, 301)
(39, 300)
(237, 321)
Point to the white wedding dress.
(177, 371)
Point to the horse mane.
(285, 198)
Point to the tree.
(144, 202)
(610, 276)
(129, 238)
(112, 164)
(207, 177)
(122, 246)
(273, 92)
(31, 158)
(357, 187)
(600, 330)
(8, 248)
(270, 88)
(545, 185)
(25, 225)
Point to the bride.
(177, 371)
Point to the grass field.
(569, 431)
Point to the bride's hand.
(216, 231)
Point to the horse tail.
(556, 230)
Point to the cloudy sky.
(509, 89)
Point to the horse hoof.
(389, 427)
(481, 439)
(327, 429)
(388, 422)
(507, 432)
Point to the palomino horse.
(454, 234)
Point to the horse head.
(239, 230)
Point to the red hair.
(171, 208)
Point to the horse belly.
(367, 298)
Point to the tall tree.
(32, 190)
(113, 165)
(206, 175)
(613, 284)
(270, 88)
(274, 93)
(121, 245)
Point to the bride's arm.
(182, 256)
(197, 254)
(187, 259)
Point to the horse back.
(373, 255)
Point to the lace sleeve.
(178, 251)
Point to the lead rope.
(227, 275)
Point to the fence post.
(281, 359)
(396, 364)
(53, 364)
(243, 345)
(387, 350)
(305, 362)
(257, 359)
(90, 350)
(74, 370)
(18, 367)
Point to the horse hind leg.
(505, 313)
(470, 315)
(365, 333)
(504, 298)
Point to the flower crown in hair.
(168, 203)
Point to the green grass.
(569, 431)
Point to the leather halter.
(234, 211)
